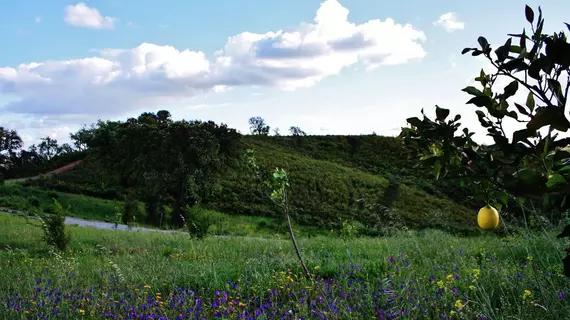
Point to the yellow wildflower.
(316, 267)
(440, 284)
(452, 313)
(476, 273)
(449, 278)
(146, 286)
(471, 287)
(526, 294)
(81, 311)
(459, 304)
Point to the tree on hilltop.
(258, 126)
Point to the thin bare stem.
(286, 211)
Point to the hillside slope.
(333, 178)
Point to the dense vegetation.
(332, 180)
(418, 275)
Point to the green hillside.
(364, 179)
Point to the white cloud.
(148, 75)
(449, 22)
(80, 15)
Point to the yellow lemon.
(488, 218)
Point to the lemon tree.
(533, 164)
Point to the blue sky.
(66, 63)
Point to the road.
(94, 224)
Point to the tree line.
(15, 161)
(164, 163)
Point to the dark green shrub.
(34, 202)
(53, 195)
(53, 226)
(199, 221)
(130, 210)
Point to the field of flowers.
(421, 275)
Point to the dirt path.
(56, 171)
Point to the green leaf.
(538, 31)
(530, 101)
(472, 91)
(555, 86)
(549, 116)
(528, 176)
(567, 26)
(523, 134)
(415, 121)
(482, 78)
(515, 49)
(501, 196)
(515, 64)
(437, 170)
(513, 115)
(480, 196)
(483, 42)
(535, 67)
(482, 120)
(502, 52)
(511, 89)
(497, 206)
(555, 179)
(481, 101)
(521, 109)
(564, 169)
(558, 51)
(529, 14)
(464, 51)
(441, 113)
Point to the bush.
(199, 221)
(130, 210)
(34, 202)
(53, 226)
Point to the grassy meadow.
(424, 259)
(427, 274)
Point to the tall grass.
(16, 196)
(425, 274)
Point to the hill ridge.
(329, 176)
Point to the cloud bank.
(118, 80)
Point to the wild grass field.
(17, 197)
(411, 275)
